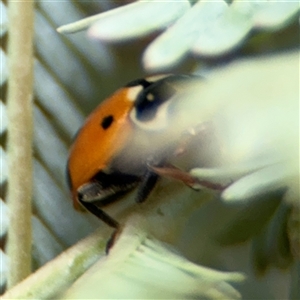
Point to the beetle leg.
(111, 240)
(185, 177)
(100, 214)
(147, 184)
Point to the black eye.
(151, 98)
(107, 121)
(155, 94)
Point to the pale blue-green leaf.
(262, 181)
(125, 21)
(229, 174)
(229, 30)
(251, 128)
(137, 19)
(275, 14)
(223, 176)
(173, 44)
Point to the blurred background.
(74, 72)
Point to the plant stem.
(53, 277)
(19, 110)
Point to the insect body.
(125, 135)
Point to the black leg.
(111, 241)
(147, 184)
(106, 219)
(100, 214)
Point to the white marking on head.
(133, 92)
(150, 97)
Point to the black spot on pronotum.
(107, 121)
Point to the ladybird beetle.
(122, 145)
